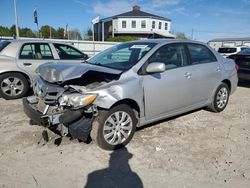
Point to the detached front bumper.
(77, 122)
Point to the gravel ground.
(199, 149)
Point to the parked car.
(128, 86)
(227, 51)
(20, 58)
(242, 59)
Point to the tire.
(110, 135)
(13, 86)
(221, 98)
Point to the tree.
(75, 34)
(60, 33)
(88, 34)
(45, 31)
(5, 31)
(180, 35)
(26, 32)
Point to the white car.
(227, 51)
(20, 58)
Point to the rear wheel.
(13, 86)
(221, 98)
(114, 129)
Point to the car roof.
(163, 40)
(34, 41)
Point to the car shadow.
(117, 174)
(244, 84)
(168, 119)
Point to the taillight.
(237, 67)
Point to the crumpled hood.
(60, 72)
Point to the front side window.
(200, 54)
(143, 24)
(123, 56)
(153, 24)
(133, 24)
(124, 24)
(160, 25)
(67, 52)
(172, 55)
(36, 51)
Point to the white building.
(134, 23)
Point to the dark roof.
(137, 14)
(230, 39)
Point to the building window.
(166, 26)
(124, 24)
(133, 24)
(160, 25)
(153, 24)
(143, 24)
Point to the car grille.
(49, 93)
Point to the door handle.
(218, 69)
(188, 75)
(27, 64)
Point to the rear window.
(227, 50)
(3, 44)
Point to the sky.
(208, 19)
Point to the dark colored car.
(242, 59)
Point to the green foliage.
(5, 31)
(60, 32)
(122, 38)
(88, 34)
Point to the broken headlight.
(77, 100)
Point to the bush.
(122, 38)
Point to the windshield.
(122, 56)
(245, 51)
(227, 50)
(3, 44)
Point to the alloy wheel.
(12, 86)
(117, 128)
(222, 97)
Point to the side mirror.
(156, 67)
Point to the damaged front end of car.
(64, 101)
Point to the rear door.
(206, 72)
(31, 55)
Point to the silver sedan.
(20, 58)
(128, 86)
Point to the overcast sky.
(207, 18)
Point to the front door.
(169, 91)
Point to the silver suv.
(20, 58)
(130, 85)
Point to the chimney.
(136, 8)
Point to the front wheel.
(220, 99)
(114, 129)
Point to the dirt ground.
(199, 149)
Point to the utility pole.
(16, 20)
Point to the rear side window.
(3, 44)
(36, 51)
(200, 54)
(67, 52)
(227, 50)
